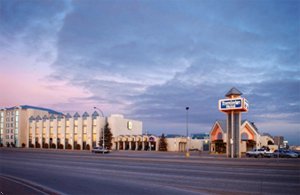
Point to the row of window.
(67, 122)
(67, 129)
(11, 131)
(10, 125)
(11, 119)
(12, 113)
(9, 137)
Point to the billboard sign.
(233, 104)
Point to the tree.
(107, 137)
(163, 143)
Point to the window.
(59, 130)
(12, 131)
(75, 129)
(7, 130)
(11, 137)
(220, 136)
(245, 136)
(51, 130)
(67, 130)
(7, 119)
(12, 118)
(94, 129)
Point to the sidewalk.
(13, 186)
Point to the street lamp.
(103, 128)
(187, 154)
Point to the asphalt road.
(81, 172)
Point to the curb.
(32, 185)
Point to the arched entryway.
(152, 143)
(220, 146)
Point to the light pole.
(103, 145)
(187, 154)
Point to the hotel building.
(77, 131)
(14, 122)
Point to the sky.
(148, 60)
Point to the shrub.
(31, 145)
(87, 147)
(60, 146)
(46, 145)
(12, 145)
(7, 145)
(1, 145)
(23, 145)
(53, 145)
(37, 145)
(69, 147)
(78, 147)
(163, 145)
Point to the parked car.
(297, 152)
(284, 154)
(100, 150)
(278, 153)
(259, 153)
(255, 153)
(290, 154)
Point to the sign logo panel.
(233, 104)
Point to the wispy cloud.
(150, 59)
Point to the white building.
(76, 132)
(14, 121)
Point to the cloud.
(151, 59)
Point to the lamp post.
(187, 154)
(103, 145)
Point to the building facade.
(14, 121)
(279, 140)
(77, 131)
(250, 137)
(148, 143)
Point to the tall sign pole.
(187, 154)
(233, 106)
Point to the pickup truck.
(259, 153)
